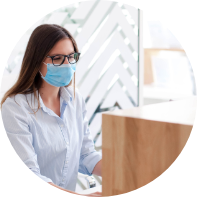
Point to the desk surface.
(180, 111)
(92, 190)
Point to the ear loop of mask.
(40, 72)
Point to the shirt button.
(66, 161)
(62, 125)
(67, 143)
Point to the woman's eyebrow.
(61, 54)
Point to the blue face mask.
(59, 75)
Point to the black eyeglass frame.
(68, 56)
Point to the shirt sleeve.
(89, 157)
(15, 120)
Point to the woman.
(45, 117)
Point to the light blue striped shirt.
(54, 148)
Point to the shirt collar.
(65, 92)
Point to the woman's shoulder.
(11, 99)
(18, 100)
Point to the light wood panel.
(138, 148)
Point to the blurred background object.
(168, 74)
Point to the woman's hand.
(95, 194)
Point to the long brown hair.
(41, 41)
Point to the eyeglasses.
(58, 60)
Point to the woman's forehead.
(64, 46)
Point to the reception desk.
(139, 144)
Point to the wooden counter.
(139, 144)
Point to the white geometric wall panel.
(113, 97)
(107, 74)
